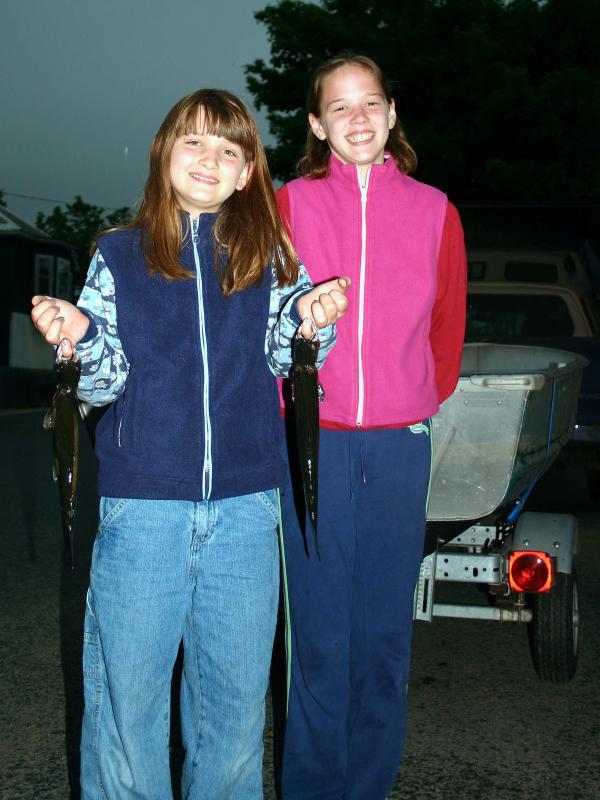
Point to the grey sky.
(85, 84)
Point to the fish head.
(68, 371)
(305, 351)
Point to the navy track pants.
(351, 612)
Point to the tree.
(77, 224)
(500, 98)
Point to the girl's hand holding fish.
(56, 319)
(326, 303)
(61, 323)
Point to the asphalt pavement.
(481, 722)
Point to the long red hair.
(248, 229)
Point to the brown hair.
(248, 228)
(315, 161)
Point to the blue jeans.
(165, 571)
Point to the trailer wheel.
(554, 630)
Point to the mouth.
(199, 178)
(360, 137)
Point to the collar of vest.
(348, 173)
(201, 224)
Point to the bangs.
(345, 60)
(216, 117)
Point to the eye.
(193, 142)
(339, 108)
(230, 153)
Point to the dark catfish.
(63, 419)
(306, 394)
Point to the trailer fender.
(555, 534)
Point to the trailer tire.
(554, 630)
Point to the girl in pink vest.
(356, 212)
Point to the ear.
(245, 175)
(392, 114)
(316, 128)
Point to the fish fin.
(49, 418)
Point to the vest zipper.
(361, 296)
(207, 462)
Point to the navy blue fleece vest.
(151, 442)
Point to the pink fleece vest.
(403, 229)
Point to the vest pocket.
(126, 416)
(121, 418)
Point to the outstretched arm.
(290, 306)
(92, 327)
(57, 320)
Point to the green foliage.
(77, 224)
(500, 98)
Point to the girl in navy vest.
(396, 359)
(185, 317)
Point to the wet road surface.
(481, 723)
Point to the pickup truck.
(531, 289)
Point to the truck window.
(531, 272)
(543, 316)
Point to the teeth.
(203, 177)
(360, 137)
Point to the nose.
(358, 114)
(208, 158)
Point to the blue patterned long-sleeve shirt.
(104, 367)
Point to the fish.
(63, 419)
(307, 394)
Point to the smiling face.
(205, 170)
(355, 117)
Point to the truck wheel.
(554, 630)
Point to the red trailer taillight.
(529, 571)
